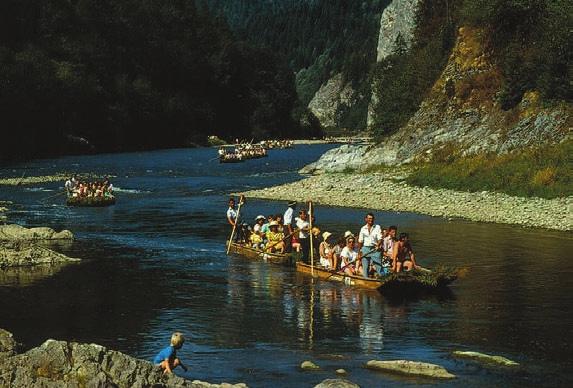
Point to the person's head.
(292, 204)
(177, 340)
(260, 220)
(348, 234)
(369, 219)
(404, 237)
(302, 215)
(273, 226)
(270, 218)
(231, 202)
(326, 236)
(392, 230)
(279, 218)
(350, 242)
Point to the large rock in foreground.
(70, 364)
(8, 346)
(411, 368)
(18, 254)
(15, 232)
(337, 383)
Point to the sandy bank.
(377, 192)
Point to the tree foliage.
(132, 74)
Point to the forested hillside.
(103, 75)
(318, 39)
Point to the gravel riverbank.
(377, 191)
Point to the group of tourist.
(374, 251)
(241, 152)
(276, 144)
(83, 189)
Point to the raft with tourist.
(378, 258)
(89, 194)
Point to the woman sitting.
(325, 251)
(275, 238)
(348, 256)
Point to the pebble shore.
(377, 191)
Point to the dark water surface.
(155, 263)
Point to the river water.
(155, 263)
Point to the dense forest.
(317, 38)
(530, 41)
(103, 75)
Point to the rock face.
(337, 383)
(332, 100)
(397, 25)
(411, 368)
(19, 233)
(461, 116)
(346, 157)
(70, 364)
(485, 358)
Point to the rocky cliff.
(333, 100)
(461, 114)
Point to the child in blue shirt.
(167, 358)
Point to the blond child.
(167, 358)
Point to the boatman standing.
(232, 218)
(369, 241)
(287, 221)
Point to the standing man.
(232, 219)
(304, 234)
(369, 239)
(289, 229)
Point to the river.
(155, 263)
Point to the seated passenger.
(403, 255)
(275, 239)
(325, 251)
(349, 256)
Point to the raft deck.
(256, 254)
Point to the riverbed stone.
(24, 254)
(341, 371)
(71, 364)
(411, 368)
(337, 383)
(309, 365)
(485, 358)
(13, 232)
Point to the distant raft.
(91, 201)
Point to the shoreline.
(358, 191)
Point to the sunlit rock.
(485, 358)
(411, 368)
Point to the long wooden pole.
(241, 201)
(310, 213)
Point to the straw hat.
(273, 223)
(326, 235)
(259, 217)
(292, 203)
(348, 234)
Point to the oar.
(284, 238)
(52, 196)
(241, 201)
(311, 236)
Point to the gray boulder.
(337, 383)
(8, 346)
(411, 368)
(70, 364)
(15, 232)
(23, 254)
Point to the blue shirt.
(167, 353)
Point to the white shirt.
(370, 238)
(348, 254)
(287, 217)
(232, 214)
(257, 228)
(301, 225)
(388, 246)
